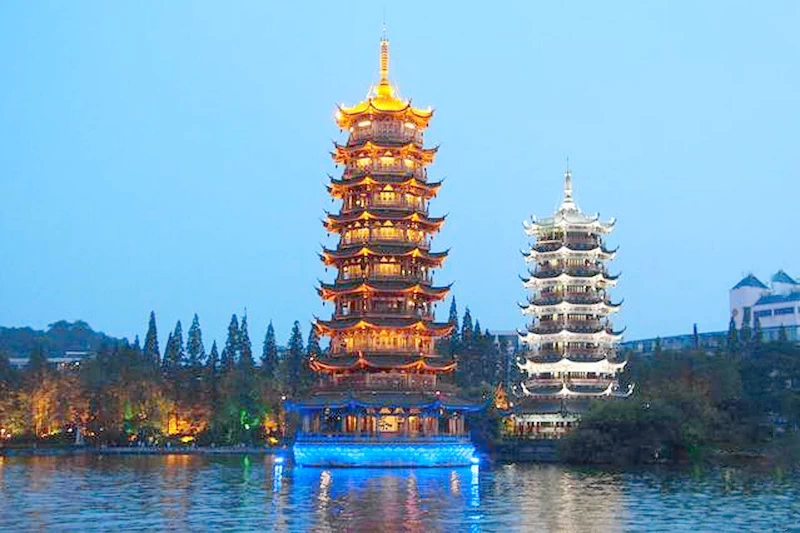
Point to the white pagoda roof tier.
(597, 280)
(604, 366)
(568, 216)
(600, 308)
(566, 336)
(598, 253)
(565, 392)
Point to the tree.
(269, 354)
(745, 334)
(212, 373)
(466, 327)
(151, 351)
(174, 355)
(37, 363)
(195, 350)
(245, 347)
(137, 346)
(295, 357)
(313, 350)
(230, 353)
(733, 337)
(695, 337)
(782, 336)
(757, 333)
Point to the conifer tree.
(745, 334)
(269, 354)
(733, 337)
(695, 337)
(212, 373)
(657, 349)
(313, 349)
(137, 347)
(476, 332)
(757, 333)
(174, 355)
(782, 336)
(452, 340)
(466, 327)
(295, 357)
(151, 351)
(195, 351)
(37, 363)
(169, 350)
(231, 350)
(246, 347)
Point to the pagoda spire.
(384, 87)
(568, 204)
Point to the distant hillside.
(60, 337)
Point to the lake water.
(237, 493)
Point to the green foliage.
(692, 405)
(269, 354)
(195, 351)
(151, 351)
(230, 353)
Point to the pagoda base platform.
(379, 451)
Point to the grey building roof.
(779, 298)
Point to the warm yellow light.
(186, 439)
(364, 123)
(410, 125)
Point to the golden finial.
(384, 88)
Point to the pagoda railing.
(398, 167)
(552, 246)
(382, 436)
(378, 202)
(568, 298)
(376, 239)
(394, 133)
(577, 382)
(578, 326)
(548, 272)
(377, 277)
(378, 312)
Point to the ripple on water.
(238, 493)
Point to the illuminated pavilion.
(379, 400)
(570, 345)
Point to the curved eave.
(565, 335)
(599, 253)
(566, 392)
(347, 116)
(535, 227)
(343, 154)
(364, 363)
(533, 281)
(330, 291)
(329, 327)
(329, 257)
(569, 307)
(604, 366)
(338, 187)
(334, 222)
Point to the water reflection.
(237, 493)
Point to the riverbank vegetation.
(737, 403)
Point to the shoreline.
(132, 450)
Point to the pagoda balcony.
(577, 326)
(377, 202)
(385, 132)
(397, 167)
(376, 238)
(379, 312)
(552, 272)
(579, 245)
(574, 298)
(599, 382)
(379, 382)
(376, 276)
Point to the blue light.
(278, 460)
(383, 454)
(475, 460)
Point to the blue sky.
(173, 155)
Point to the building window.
(746, 315)
(784, 311)
(763, 313)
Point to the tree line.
(134, 394)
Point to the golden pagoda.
(379, 378)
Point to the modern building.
(774, 305)
(380, 400)
(570, 347)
